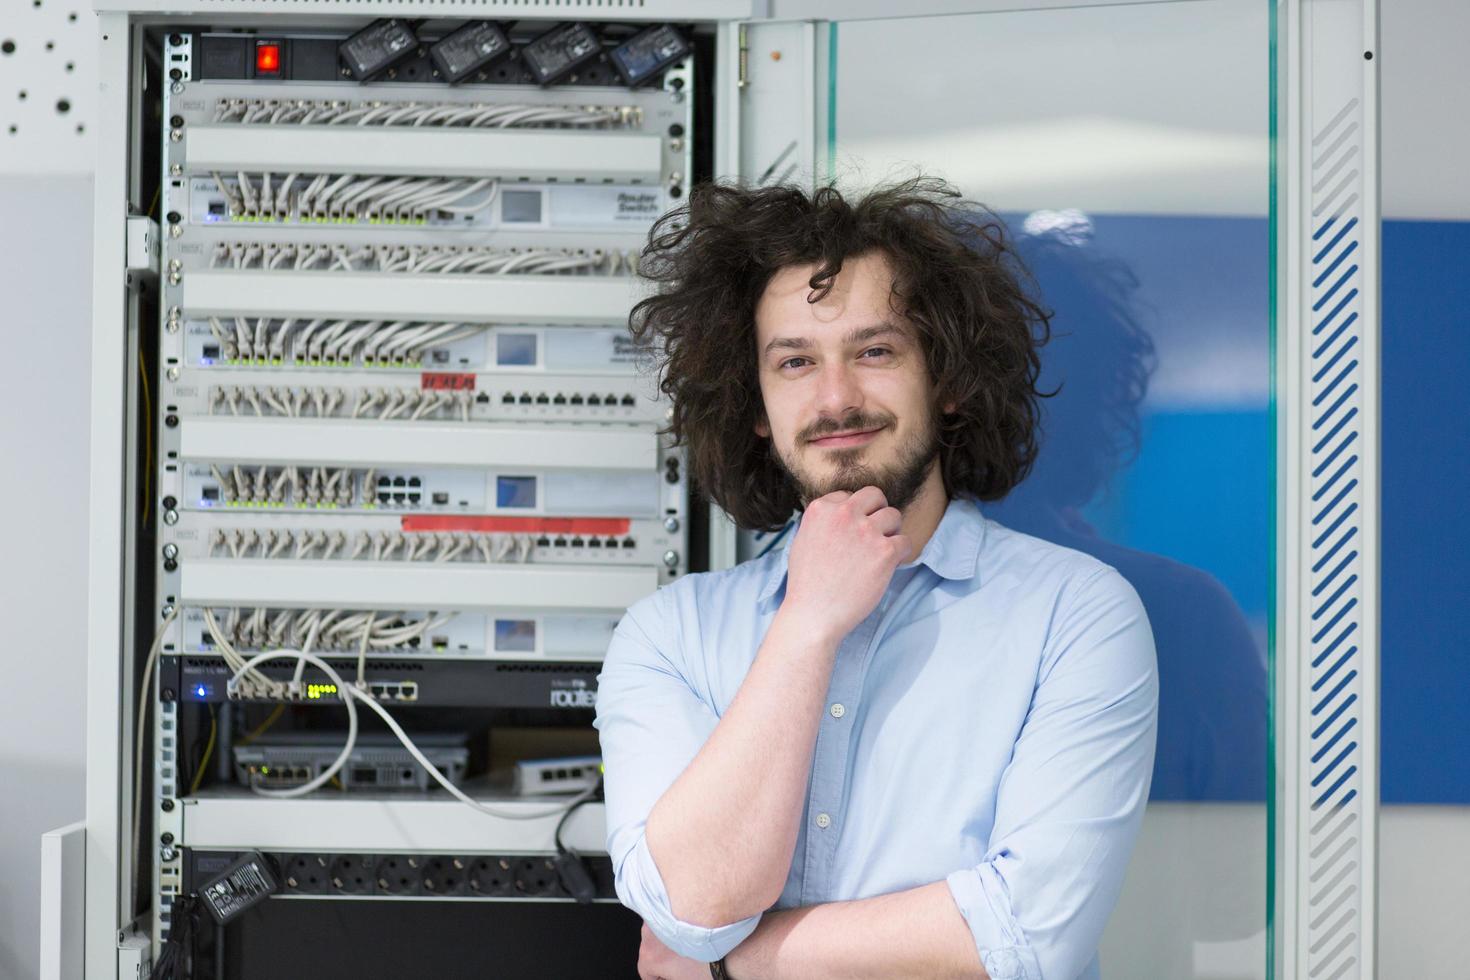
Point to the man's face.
(844, 383)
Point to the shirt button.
(838, 711)
(824, 821)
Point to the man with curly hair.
(911, 742)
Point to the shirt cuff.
(984, 901)
(641, 888)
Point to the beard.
(899, 481)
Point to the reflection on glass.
(1212, 673)
(1126, 148)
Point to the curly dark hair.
(956, 279)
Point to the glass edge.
(831, 101)
(1273, 11)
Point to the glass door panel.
(1127, 148)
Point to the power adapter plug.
(575, 877)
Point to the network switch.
(376, 763)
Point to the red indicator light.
(267, 58)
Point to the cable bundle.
(322, 629)
(418, 259)
(328, 341)
(324, 402)
(478, 115)
(303, 486)
(413, 546)
(352, 197)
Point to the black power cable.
(571, 867)
(173, 961)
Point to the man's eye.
(876, 352)
(794, 362)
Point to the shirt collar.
(952, 552)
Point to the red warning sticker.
(446, 381)
(522, 525)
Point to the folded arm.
(1067, 813)
(702, 811)
(917, 933)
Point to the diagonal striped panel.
(1334, 386)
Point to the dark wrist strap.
(717, 970)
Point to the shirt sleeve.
(1070, 802)
(652, 723)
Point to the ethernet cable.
(428, 405)
(246, 191)
(283, 195)
(242, 337)
(231, 201)
(362, 646)
(233, 659)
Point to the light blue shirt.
(991, 724)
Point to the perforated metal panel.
(1328, 396)
(48, 77)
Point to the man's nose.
(838, 391)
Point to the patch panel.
(284, 258)
(384, 112)
(575, 353)
(504, 634)
(364, 536)
(414, 402)
(440, 546)
(529, 500)
(525, 206)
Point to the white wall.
(44, 281)
(1426, 87)
(1425, 851)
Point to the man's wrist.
(811, 631)
(717, 970)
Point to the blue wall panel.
(1182, 507)
(1426, 542)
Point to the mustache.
(852, 422)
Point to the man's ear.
(762, 427)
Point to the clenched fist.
(842, 559)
